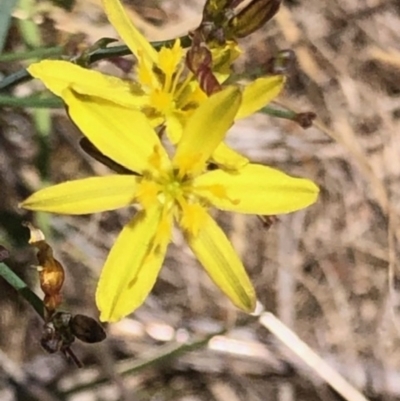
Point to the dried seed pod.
(87, 329)
(51, 272)
(60, 328)
(253, 17)
(305, 119)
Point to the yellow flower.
(167, 189)
(165, 90)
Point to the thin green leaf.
(36, 102)
(99, 54)
(21, 287)
(32, 54)
(285, 114)
(159, 356)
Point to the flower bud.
(253, 17)
(87, 329)
(199, 61)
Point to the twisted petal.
(122, 134)
(90, 195)
(129, 34)
(259, 93)
(133, 264)
(256, 189)
(58, 75)
(215, 252)
(205, 130)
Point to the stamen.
(183, 84)
(177, 76)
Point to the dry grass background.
(330, 272)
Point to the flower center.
(168, 83)
(163, 186)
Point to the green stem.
(21, 287)
(97, 55)
(17, 78)
(31, 101)
(36, 53)
(286, 114)
(155, 358)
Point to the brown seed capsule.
(87, 329)
(253, 17)
(51, 272)
(60, 328)
(305, 120)
(199, 61)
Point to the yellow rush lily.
(179, 188)
(165, 90)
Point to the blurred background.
(330, 273)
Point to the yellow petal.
(133, 264)
(228, 158)
(120, 133)
(215, 252)
(89, 195)
(174, 127)
(58, 75)
(205, 130)
(256, 189)
(259, 93)
(224, 156)
(128, 32)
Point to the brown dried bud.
(52, 302)
(305, 120)
(51, 272)
(253, 17)
(87, 329)
(199, 61)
